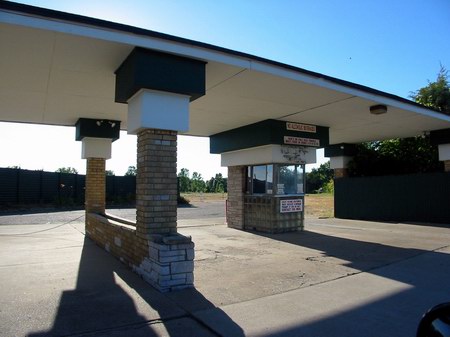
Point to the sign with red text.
(291, 205)
(301, 127)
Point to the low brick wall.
(167, 262)
(262, 213)
(118, 239)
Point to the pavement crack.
(47, 229)
(350, 274)
(128, 326)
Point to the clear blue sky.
(391, 45)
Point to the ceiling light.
(378, 109)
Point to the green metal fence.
(413, 198)
(21, 187)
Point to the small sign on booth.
(290, 140)
(291, 205)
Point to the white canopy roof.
(57, 67)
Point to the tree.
(217, 184)
(317, 178)
(436, 94)
(197, 183)
(184, 181)
(407, 155)
(67, 170)
(109, 173)
(131, 171)
(395, 156)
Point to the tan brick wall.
(236, 191)
(156, 182)
(95, 185)
(447, 165)
(167, 264)
(118, 239)
(340, 173)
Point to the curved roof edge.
(99, 23)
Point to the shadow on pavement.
(422, 279)
(359, 255)
(424, 284)
(110, 300)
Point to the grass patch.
(319, 205)
(316, 205)
(196, 197)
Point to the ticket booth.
(266, 173)
(274, 197)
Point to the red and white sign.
(301, 141)
(301, 127)
(291, 205)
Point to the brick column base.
(447, 165)
(170, 264)
(340, 173)
(95, 186)
(235, 202)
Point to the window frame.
(299, 168)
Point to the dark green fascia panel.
(439, 137)
(97, 128)
(269, 131)
(340, 150)
(148, 69)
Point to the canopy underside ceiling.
(52, 77)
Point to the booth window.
(260, 179)
(290, 179)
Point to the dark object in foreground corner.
(435, 322)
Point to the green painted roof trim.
(269, 131)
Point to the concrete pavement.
(337, 278)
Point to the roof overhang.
(58, 67)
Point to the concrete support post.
(447, 165)
(444, 155)
(170, 262)
(340, 173)
(339, 165)
(235, 202)
(441, 138)
(95, 186)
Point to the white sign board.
(301, 141)
(301, 127)
(280, 188)
(291, 205)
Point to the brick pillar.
(447, 165)
(170, 263)
(95, 186)
(156, 183)
(340, 173)
(235, 202)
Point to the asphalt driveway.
(336, 278)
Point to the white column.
(158, 110)
(96, 148)
(340, 162)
